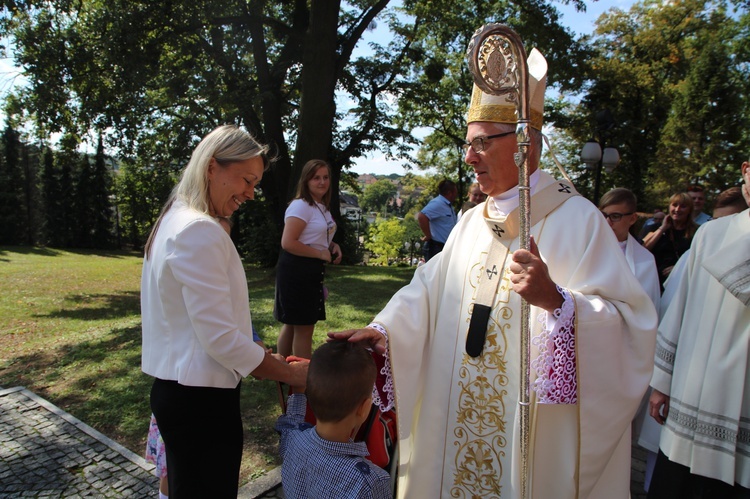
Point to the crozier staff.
(592, 335)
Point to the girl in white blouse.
(306, 246)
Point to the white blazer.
(197, 328)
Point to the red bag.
(379, 433)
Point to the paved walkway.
(46, 452)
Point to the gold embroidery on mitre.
(496, 113)
(482, 420)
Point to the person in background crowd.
(700, 382)
(673, 237)
(619, 208)
(306, 246)
(437, 219)
(476, 196)
(197, 329)
(452, 335)
(698, 196)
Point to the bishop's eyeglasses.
(477, 144)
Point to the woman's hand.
(666, 223)
(298, 375)
(336, 255)
(274, 366)
(325, 255)
(371, 337)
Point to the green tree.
(386, 239)
(704, 138)
(51, 198)
(30, 165)
(141, 189)
(60, 211)
(13, 213)
(101, 200)
(377, 195)
(673, 80)
(82, 209)
(159, 75)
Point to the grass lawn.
(70, 331)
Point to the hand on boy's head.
(370, 337)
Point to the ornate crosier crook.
(497, 61)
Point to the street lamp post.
(597, 155)
(411, 246)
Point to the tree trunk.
(317, 106)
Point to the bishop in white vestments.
(593, 330)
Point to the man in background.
(699, 200)
(437, 219)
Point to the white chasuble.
(458, 424)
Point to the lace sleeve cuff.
(555, 366)
(382, 393)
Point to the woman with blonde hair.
(673, 237)
(306, 246)
(197, 329)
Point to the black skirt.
(299, 290)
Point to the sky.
(579, 22)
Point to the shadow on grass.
(99, 306)
(26, 250)
(47, 251)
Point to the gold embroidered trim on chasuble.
(483, 430)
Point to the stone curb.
(261, 486)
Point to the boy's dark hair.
(341, 375)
